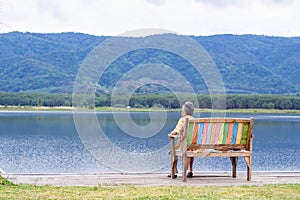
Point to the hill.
(248, 63)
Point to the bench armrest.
(174, 136)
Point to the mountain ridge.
(43, 62)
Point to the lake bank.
(110, 109)
(9, 190)
(211, 178)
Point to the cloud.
(279, 1)
(156, 2)
(221, 3)
(226, 3)
(53, 8)
(190, 17)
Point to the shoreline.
(111, 109)
(155, 179)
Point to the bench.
(214, 137)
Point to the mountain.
(46, 62)
(49, 63)
(260, 64)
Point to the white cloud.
(156, 2)
(192, 17)
(221, 3)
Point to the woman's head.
(188, 108)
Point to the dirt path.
(154, 179)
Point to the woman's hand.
(172, 134)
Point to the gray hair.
(188, 108)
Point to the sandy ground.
(154, 179)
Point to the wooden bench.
(214, 137)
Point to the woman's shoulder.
(188, 116)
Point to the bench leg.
(234, 161)
(184, 167)
(248, 160)
(174, 159)
(173, 166)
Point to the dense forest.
(169, 101)
(248, 64)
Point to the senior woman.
(187, 112)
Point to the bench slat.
(222, 120)
(190, 133)
(208, 133)
(226, 125)
(213, 133)
(229, 135)
(204, 133)
(245, 134)
(218, 154)
(221, 135)
(200, 132)
(239, 133)
(217, 133)
(221, 147)
(234, 132)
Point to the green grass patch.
(4, 182)
(283, 191)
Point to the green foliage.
(35, 99)
(165, 100)
(48, 63)
(262, 101)
(5, 182)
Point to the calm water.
(48, 142)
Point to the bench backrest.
(219, 131)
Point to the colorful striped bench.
(215, 137)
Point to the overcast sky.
(189, 17)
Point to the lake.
(55, 142)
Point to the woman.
(187, 112)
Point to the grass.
(9, 190)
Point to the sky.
(187, 17)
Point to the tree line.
(169, 100)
